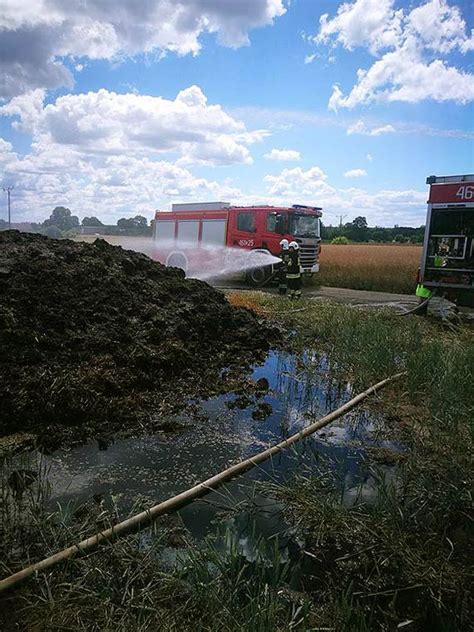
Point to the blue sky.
(118, 108)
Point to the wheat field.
(383, 268)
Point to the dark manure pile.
(94, 337)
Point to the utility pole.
(8, 191)
(341, 217)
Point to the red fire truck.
(447, 263)
(193, 236)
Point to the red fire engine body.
(447, 263)
(193, 236)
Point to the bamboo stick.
(175, 502)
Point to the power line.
(8, 190)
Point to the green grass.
(417, 565)
(367, 346)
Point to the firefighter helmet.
(284, 244)
(294, 245)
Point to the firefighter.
(293, 273)
(285, 259)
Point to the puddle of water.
(301, 388)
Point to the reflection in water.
(301, 388)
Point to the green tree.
(378, 234)
(61, 218)
(357, 230)
(137, 225)
(91, 221)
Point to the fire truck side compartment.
(448, 248)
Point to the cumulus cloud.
(107, 123)
(111, 153)
(440, 27)
(355, 173)
(113, 186)
(26, 108)
(311, 186)
(283, 154)
(360, 127)
(403, 44)
(37, 36)
(371, 23)
(107, 186)
(298, 182)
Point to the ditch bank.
(97, 339)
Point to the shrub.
(340, 241)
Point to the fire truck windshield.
(302, 225)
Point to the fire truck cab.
(191, 233)
(447, 264)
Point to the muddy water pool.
(301, 388)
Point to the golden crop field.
(383, 268)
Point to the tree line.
(62, 223)
(359, 231)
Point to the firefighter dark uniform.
(282, 270)
(293, 273)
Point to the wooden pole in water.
(174, 503)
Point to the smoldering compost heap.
(92, 335)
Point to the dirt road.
(338, 294)
(399, 302)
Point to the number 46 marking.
(465, 193)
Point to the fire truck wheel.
(177, 260)
(258, 276)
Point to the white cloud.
(311, 186)
(310, 58)
(283, 154)
(107, 186)
(292, 119)
(106, 154)
(371, 23)
(113, 186)
(401, 75)
(360, 127)
(298, 183)
(384, 129)
(403, 44)
(355, 173)
(440, 27)
(369, 157)
(5, 146)
(26, 108)
(37, 35)
(107, 123)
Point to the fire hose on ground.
(176, 502)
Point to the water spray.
(199, 261)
